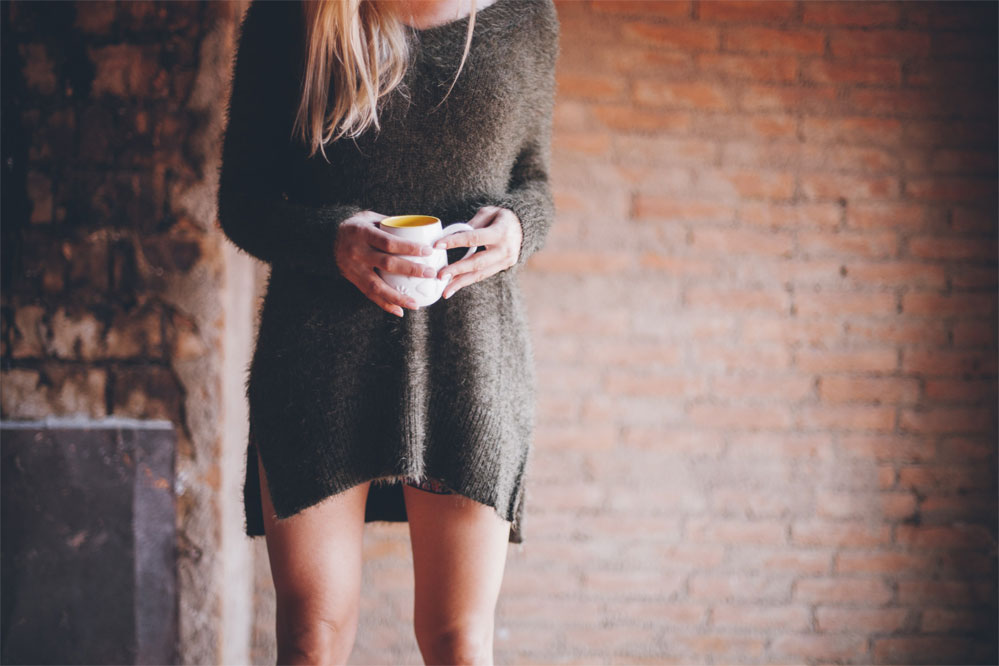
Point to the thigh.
(316, 555)
(459, 554)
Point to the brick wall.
(764, 324)
(114, 276)
(765, 328)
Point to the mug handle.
(455, 228)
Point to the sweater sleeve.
(529, 193)
(253, 210)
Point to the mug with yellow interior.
(425, 229)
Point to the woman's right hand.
(361, 246)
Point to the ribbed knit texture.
(340, 391)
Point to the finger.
(484, 236)
(464, 280)
(383, 291)
(391, 263)
(477, 262)
(386, 242)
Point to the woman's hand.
(499, 230)
(361, 246)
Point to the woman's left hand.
(499, 230)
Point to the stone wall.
(116, 285)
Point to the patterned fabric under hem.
(430, 485)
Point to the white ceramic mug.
(425, 229)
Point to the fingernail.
(447, 296)
(426, 250)
(445, 276)
(429, 272)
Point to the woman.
(363, 406)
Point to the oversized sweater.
(340, 391)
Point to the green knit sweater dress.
(340, 391)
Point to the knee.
(315, 639)
(469, 644)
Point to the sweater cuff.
(534, 207)
(285, 234)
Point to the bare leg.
(459, 554)
(316, 564)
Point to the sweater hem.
(456, 452)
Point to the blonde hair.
(362, 51)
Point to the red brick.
(944, 16)
(789, 98)
(723, 645)
(867, 71)
(741, 417)
(817, 304)
(849, 244)
(896, 331)
(850, 188)
(626, 117)
(854, 159)
(659, 9)
(794, 216)
(896, 273)
(945, 74)
(791, 388)
(851, 534)
(948, 133)
(885, 562)
(746, 616)
(889, 390)
(829, 360)
(923, 650)
(848, 418)
(686, 211)
(888, 505)
(666, 151)
(949, 363)
(775, 40)
(953, 248)
(741, 241)
(972, 220)
(582, 437)
(952, 189)
(952, 478)
(582, 261)
(789, 331)
(748, 68)
(947, 160)
(942, 305)
(900, 103)
(745, 184)
(887, 447)
(684, 38)
(942, 420)
(742, 11)
(859, 14)
(954, 621)
(684, 95)
(961, 390)
(963, 44)
(590, 86)
(860, 620)
(889, 43)
(948, 592)
(734, 359)
(822, 648)
(739, 586)
(887, 216)
(975, 333)
(842, 590)
(707, 296)
(853, 130)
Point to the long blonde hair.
(361, 50)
